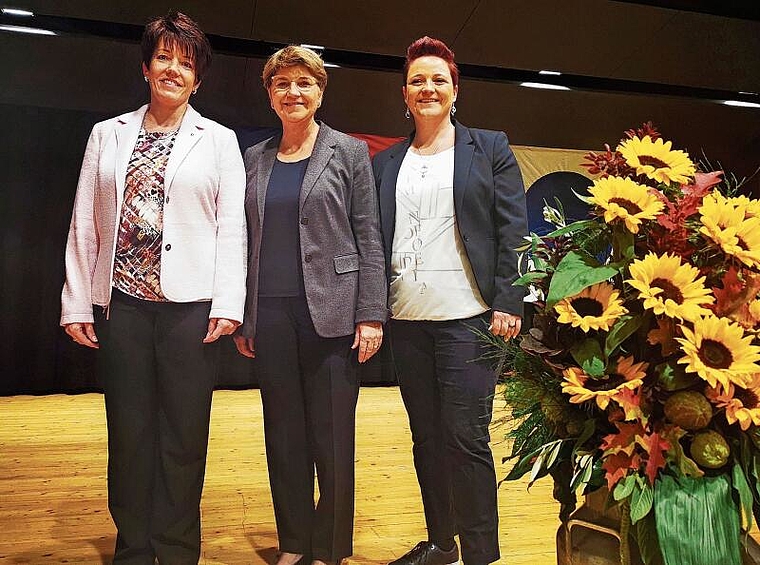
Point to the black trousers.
(309, 388)
(449, 398)
(158, 379)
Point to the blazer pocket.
(346, 263)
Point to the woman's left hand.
(217, 327)
(504, 324)
(368, 338)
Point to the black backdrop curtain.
(41, 151)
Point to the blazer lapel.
(387, 190)
(126, 132)
(190, 132)
(324, 147)
(264, 172)
(463, 151)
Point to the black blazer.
(489, 202)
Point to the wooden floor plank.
(53, 486)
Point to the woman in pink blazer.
(155, 274)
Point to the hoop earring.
(145, 78)
(407, 115)
(195, 90)
(453, 109)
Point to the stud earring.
(407, 115)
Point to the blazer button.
(305, 221)
(307, 258)
(168, 247)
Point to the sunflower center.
(586, 306)
(669, 290)
(607, 383)
(629, 206)
(715, 355)
(747, 397)
(652, 161)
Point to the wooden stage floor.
(53, 506)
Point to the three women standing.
(316, 291)
(452, 209)
(157, 250)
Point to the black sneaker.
(427, 553)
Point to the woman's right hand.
(244, 345)
(83, 333)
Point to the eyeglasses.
(302, 84)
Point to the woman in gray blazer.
(452, 208)
(316, 293)
(157, 249)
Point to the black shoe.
(427, 553)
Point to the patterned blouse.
(137, 267)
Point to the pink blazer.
(204, 238)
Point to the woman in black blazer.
(452, 209)
(315, 306)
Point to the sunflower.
(656, 160)
(581, 387)
(732, 224)
(624, 199)
(596, 307)
(750, 206)
(742, 403)
(719, 352)
(670, 287)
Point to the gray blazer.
(339, 230)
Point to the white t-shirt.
(431, 277)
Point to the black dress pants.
(449, 398)
(158, 379)
(309, 388)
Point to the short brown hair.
(295, 55)
(177, 30)
(431, 47)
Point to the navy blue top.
(280, 272)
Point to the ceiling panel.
(223, 17)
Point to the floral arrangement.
(641, 370)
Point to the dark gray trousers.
(309, 388)
(158, 379)
(449, 398)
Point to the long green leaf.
(588, 354)
(645, 532)
(741, 486)
(697, 521)
(620, 331)
(575, 226)
(642, 498)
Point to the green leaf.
(553, 453)
(529, 278)
(645, 533)
(574, 273)
(588, 354)
(673, 377)
(523, 465)
(697, 521)
(622, 244)
(583, 472)
(624, 488)
(741, 486)
(620, 331)
(575, 226)
(642, 498)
